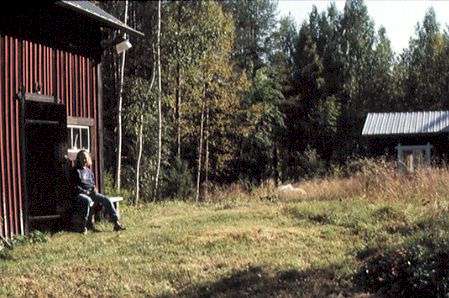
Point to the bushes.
(177, 181)
(419, 268)
(304, 165)
(110, 190)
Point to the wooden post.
(399, 152)
(428, 155)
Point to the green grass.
(310, 248)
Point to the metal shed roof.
(406, 123)
(95, 12)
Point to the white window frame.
(76, 150)
(414, 149)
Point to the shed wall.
(71, 78)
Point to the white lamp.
(123, 46)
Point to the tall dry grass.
(372, 180)
(377, 180)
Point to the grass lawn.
(234, 248)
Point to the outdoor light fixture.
(120, 42)
(123, 46)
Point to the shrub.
(177, 181)
(419, 268)
(306, 165)
(109, 188)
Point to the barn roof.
(406, 123)
(91, 10)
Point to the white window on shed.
(411, 157)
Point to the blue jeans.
(86, 202)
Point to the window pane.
(76, 138)
(85, 138)
(69, 137)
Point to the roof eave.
(405, 134)
(108, 23)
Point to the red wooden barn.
(50, 102)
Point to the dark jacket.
(83, 180)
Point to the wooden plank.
(16, 152)
(21, 148)
(75, 93)
(8, 138)
(116, 202)
(89, 91)
(44, 217)
(44, 71)
(12, 93)
(34, 67)
(80, 121)
(39, 68)
(3, 222)
(66, 86)
(116, 199)
(53, 75)
(41, 122)
(39, 97)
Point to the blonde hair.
(83, 159)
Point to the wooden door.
(45, 148)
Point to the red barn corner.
(50, 103)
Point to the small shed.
(415, 138)
(50, 102)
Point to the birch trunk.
(159, 101)
(178, 93)
(200, 149)
(206, 158)
(139, 159)
(120, 100)
(140, 140)
(178, 111)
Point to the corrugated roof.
(93, 11)
(406, 123)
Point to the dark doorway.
(45, 147)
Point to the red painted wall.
(70, 77)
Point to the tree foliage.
(279, 100)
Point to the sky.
(399, 17)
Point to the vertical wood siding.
(70, 77)
(11, 204)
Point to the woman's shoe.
(118, 227)
(93, 228)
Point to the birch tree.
(140, 139)
(159, 101)
(139, 121)
(120, 101)
(200, 147)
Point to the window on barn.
(78, 138)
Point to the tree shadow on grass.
(262, 282)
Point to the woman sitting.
(87, 194)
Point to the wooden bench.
(116, 201)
